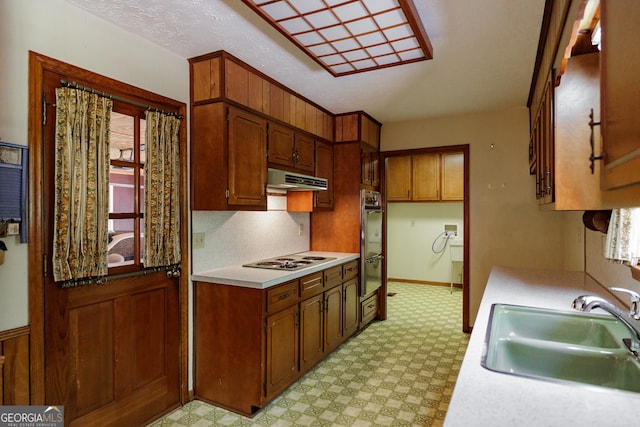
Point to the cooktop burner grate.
(289, 262)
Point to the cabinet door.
(247, 159)
(332, 318)
(324, 169)
(375, 169)
(452, 176)
(620, 92)
(399, 179)
(280, 145)
(350, 309)
(426, 177)
(282, 350)
(304, 153)
(311, 337)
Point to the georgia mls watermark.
(31, 416)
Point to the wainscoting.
(14, 366)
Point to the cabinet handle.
(284, 296)
(593, 157)
(549, 186)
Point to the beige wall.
(506, 227)
(59, 30)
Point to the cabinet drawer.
(332, 276)
(282, 296)
(369, 309)
(350, 270)
(311, 285)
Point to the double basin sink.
(560, 346)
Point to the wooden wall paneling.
(1, 378)
(14, 368)
(201, 80)
(254, 92)
(266, 97)
(236, 82)
(300, 111)
(276, 106)
(287, 107)
(311, 120)
(343, 223)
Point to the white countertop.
(485, 398)
(260, 278)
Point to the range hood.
(292, 181)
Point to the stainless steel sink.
(560, 346)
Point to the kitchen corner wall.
(233, 238)
(506, 226)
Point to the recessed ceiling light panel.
(350, 36)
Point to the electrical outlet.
(197, 241)
(300, 229)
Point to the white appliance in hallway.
(370, 241)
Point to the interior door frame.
(38, 65)
(384, 155)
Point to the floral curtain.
(81, 201)
(162, 191)
(623, 236)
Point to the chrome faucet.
(631, 320)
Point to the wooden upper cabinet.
(219, 76)
(620, 93)
(426, 177)
(247, 151)
(206, 79)
(452, 176)
(324, 169)
(304, 153)
(281, 145)
(399, 179)
(358, 126)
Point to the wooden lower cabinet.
(350, 308)
(311, 336)
(333, 336)
(282, 350)
(369, 309)
(251, 344)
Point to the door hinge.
(226, 193)
(298, 319)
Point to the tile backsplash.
(233, 238)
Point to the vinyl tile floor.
(399, 372)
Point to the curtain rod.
(75, 85)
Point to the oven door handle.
(373, 259)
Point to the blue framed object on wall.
(13, 185)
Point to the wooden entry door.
(113, 353)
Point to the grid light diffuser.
(350, 36)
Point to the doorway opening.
(426, 226)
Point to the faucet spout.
(589, 302)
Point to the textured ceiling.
(484, 53)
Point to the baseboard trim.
(423, 282)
